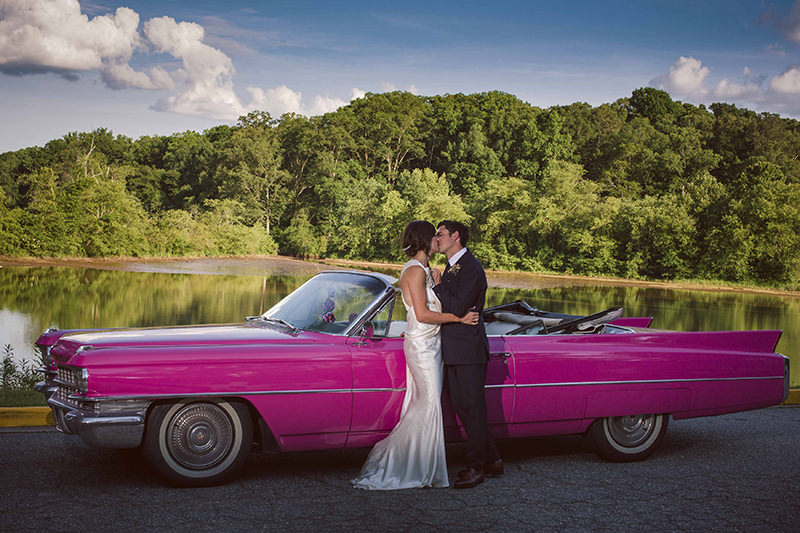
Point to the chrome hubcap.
(199, 436)
(631, 431)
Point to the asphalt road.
(733, 472)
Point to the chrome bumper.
(785, 378)
(118, 430)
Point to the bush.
(17, 381)
(17, 375)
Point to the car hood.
(221, 334)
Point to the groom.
(465, 351)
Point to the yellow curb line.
(794, 397)
(43, 416)
(26, 416)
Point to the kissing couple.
(445, 342)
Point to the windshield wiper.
(274, 320)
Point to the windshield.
(328, 302)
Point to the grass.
(21, 398)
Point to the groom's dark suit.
(465, 352)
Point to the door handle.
(504, 355)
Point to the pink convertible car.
(324, 369)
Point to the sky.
(160, 67)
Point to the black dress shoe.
(472, 477)
(494, 469)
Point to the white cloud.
(39, 36)
(276, 101)
(119, 75)
(686, 77)
(751, 90)
(161, 78)
(282, 100)
(727, 89)
(325, 104)
(206, 74)
(53, 36)
(387, 87)
(787, 83)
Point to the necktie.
(447, 267)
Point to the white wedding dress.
(413, 455)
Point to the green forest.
(646, 187)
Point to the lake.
(74, 294)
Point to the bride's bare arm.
(412, 283)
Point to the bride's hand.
(471, 318)
(436, 275)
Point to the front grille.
(67, 385)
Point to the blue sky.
(146, 67)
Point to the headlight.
(44, 354)
(81, 379)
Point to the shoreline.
(283, 264)
(515, 280)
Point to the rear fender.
(624, 402)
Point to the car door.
(379, 384)
(500, 386)
(546, 369)
(305, 396)
(499, 391)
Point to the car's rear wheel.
(628, 438)
(196, 443)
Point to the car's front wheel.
(628, 438)
(196, 443)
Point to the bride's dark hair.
(417, 236)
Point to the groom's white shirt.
(456, 256)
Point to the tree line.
(645, 187)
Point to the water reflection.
(34, 298)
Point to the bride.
(413, 454)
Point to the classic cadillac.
(324, 368)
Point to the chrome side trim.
(389, 389)
(641, 381)
(235, 393)
(299, 391)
